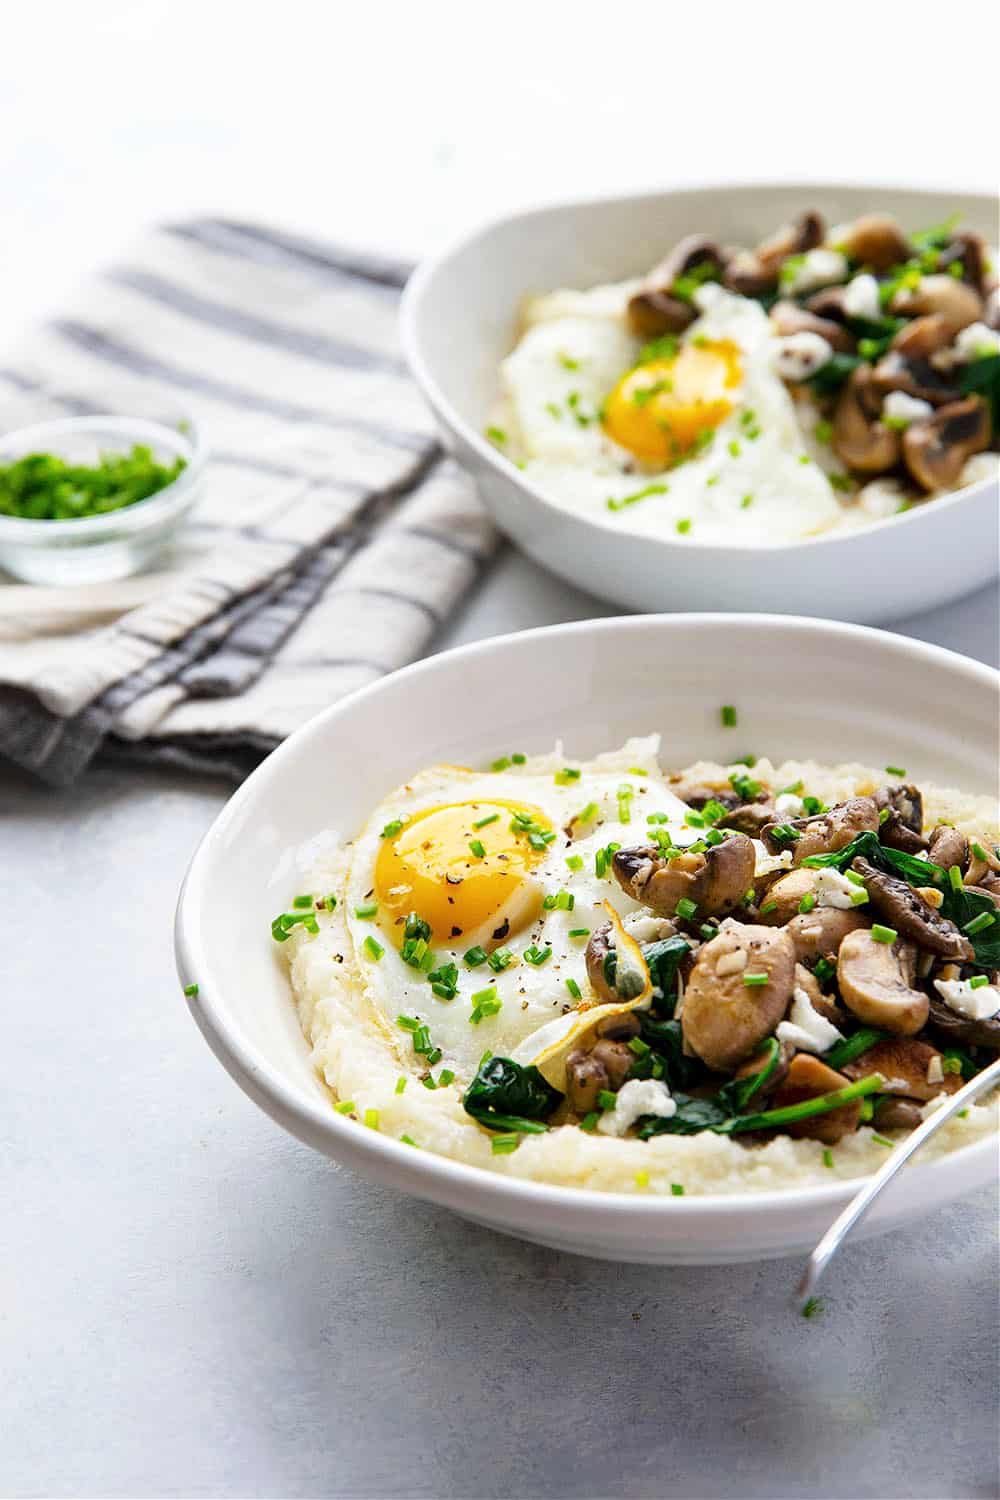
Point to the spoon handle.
(862, 1201)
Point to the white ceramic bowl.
(802, 688)
(459, 319)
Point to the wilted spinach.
(667, 1042)
(504, 1095)
(831, 376)
(663, 959)
(981, 377)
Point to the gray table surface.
(194, 1304)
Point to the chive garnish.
(191, 990)
(727, 713)
(884, 934)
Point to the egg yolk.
(434, 867)
(665, 408)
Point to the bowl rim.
(317, 1124)
(143, 514)
(437, 264)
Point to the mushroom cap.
(955, 301)
(902, 905)
(653, 313)
(826, 832)
(807, 1079)
(935, 450)
(860, 439)
(789, 317)
(876, 240)
(903, 1062)
(951, 1027)
(948, 847)
(787, 893)
(716, 880)
(874, 980)
(820, 932)
(915, 377)
(724, 1019)
(923, 336)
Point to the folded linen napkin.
(333, 536)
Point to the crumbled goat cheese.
(861, 297)
(640, 1096)
(766, 863)
(935, 1070)
(834, 889)
(979, 467)
(788, 805)
(903, 408)
(817, 268)
(975, 1004)
(806, 1028)
(797, 356)
(881, 497)
(977, 340)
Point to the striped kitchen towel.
(333, 536)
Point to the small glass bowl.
(94, 549)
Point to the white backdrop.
(399, 124)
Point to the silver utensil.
(862, 1202)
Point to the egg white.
(530, 996)
(579, 343)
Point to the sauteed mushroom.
(950, 299)
(907, 911)
(716, 880)
(923, 337)
(724, 1017)
(910, 1067)
(654, 310)
(903, 827)
(875, 240)
(819, 933)
(948, 847)
(875, 981)
(789, 318)
(754, 272)
(935, 450)
(860, 438)
(826, 832)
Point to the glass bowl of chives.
(88, 499)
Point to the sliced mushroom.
(784, 897)
(875, 240)
(586, 1076)
(948, 847)
(903, 827)
(749, 817)
(875, 981)
(819, 933)
(981, 866)
(908, 1067)
(922, 337)
(935, 450)
(716, 880)
(788, 318)
(724, 1018)
(860, 439)
(960, 1030)
(653, 310)
(807, 1079)
(754, 272)
(953, 300)
(897, 1114)
(829, 304)
(806, 980)
(914, 377)
(826, 832)
(757, 1064)
(968, 250)
(907, 911)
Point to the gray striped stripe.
(228, 239)
(377, 268)
(116, 352)
(451, 543)
(249, 325)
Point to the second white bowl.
(459, 320)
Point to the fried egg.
(471, 896)
(694, 436)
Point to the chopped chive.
(372, 948)
(568, 363)
(302, 902)
(590, 1120)
(345, 1107)
(587, 814)
(686, 908)
(537, 956)
(677, 1190)
(979, 981)
(639, 1047)
(503, 1145)
(884, 934)
(500, 959)
(391, 829)
(895, 770)
(606, 1099)
(474, 957)
(485, 822)
(517, 759)
(746, 502)
(727, 713)
(496, 434)
(955, 878)
(812, 1307)
(823, 431)
(484, 1003)
(962, 1114)
(979, 852)
(574, 861)
(574, 989)
(979, 924)
(733, 447)
(579, 932)
(191, 990)
(445, 1077)
(408, 1140)
(683, 526)
(501, 764)
(625, 795)
(754, 981)
(768, 907)
(642, 1178)
(478, 848)
(367, 911)
(561, 901)
(881, 1140)
(566, 775)
(807, 903)
(828, 1157)
(400, 1085)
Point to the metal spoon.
(862, 1202)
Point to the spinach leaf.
(831, 376)
(667, 1041)
(663, 959)
(964, 906)
(692, 1116)
(506, 1096)
(981, 377)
